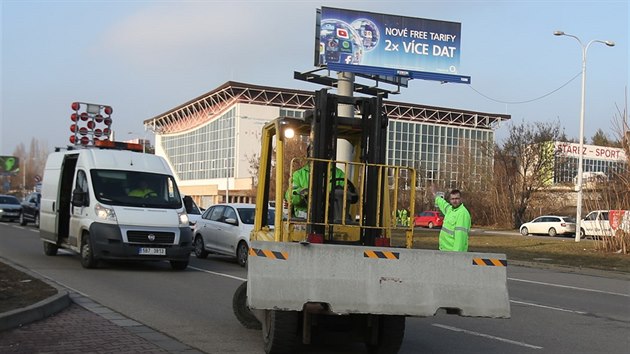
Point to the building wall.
(212, 158)
(449, 154)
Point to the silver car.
(10, 207)
(224, 229)
(551, 225)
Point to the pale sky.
(146, 57)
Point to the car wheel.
(582, 233)
(552, 232)
(524, 231)
(87, 253)
(430, 224)
(242, 251)
(200, 252)
(22, 221)
(37, 221)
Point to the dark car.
(429, 219)
(9, 207)
(30, 209)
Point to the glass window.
(230, 213)
(217, 213)
(132, 188)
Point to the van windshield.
(132, 188)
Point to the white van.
(110, 204)
(596, 224)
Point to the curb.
(37, 311)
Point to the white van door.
(602, 225)
(78, 214)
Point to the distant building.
(599, 163)
(210, 140)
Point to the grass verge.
(560, 251)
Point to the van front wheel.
(179, 265)
(50, 249)
(87, 253)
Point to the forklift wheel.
(241, 311)
(281, 331)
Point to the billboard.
(388, 45)
(9, 165)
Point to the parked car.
(224, 229)
(551, 225)
(30, 209)
(429, 219)
(10, 207)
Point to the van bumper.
(108, 243)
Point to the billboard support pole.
(345, 87)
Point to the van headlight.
(183, 219)
(105, 213)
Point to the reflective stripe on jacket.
(455, 228)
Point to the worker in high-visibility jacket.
(456, 225)
(298, 193)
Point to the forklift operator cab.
(352, 202)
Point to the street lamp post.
(227, 182)
(578, 217)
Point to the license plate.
(152, 251)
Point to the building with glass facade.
(599, 162)
(212, 140)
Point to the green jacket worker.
(456, 225)
(297, 194)
(143, 191)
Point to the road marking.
(548, 307)
(219, 274)
(522, 344)
(569, 287)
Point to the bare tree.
(526, 160)
(32, 163)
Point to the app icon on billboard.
(341, 43)
(342, 33)
(346, 46)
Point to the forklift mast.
(372, 125)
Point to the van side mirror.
(79, 198)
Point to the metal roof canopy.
(212, 104)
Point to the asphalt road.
(552, 311)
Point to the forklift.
(348, 265)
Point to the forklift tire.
(280, 331)
(50, 249)
(390, 334)
(87, 253)
(243, 314)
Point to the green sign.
(9, 165)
